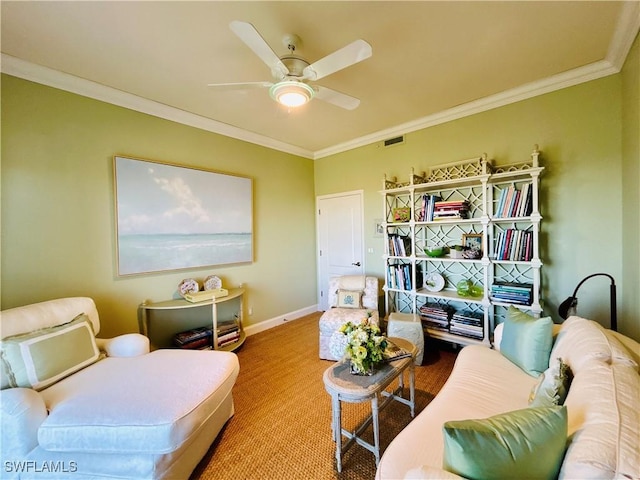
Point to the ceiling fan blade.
(353, 53)
(250, 36)
(240, 85)
(338, 99)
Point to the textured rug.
(282, 423)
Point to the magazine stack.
(468, 324)
(436, 316)
(451, 210)
(228, 333)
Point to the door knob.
(357, 264)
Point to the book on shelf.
(192, 335)
(229, 338)
(435, 326)
(427, 207)
(199, 344)
(467, 333)
(467, 318)
(228, 328)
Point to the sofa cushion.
(581, 340)
(552, 386)
(126, 405)
(527, 341)
(527, 443)
(42, 357)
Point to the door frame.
(320, 272)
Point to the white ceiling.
(432, 61)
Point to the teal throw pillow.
(527, 341)
(528, 443)
(553, 385)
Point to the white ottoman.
(409, 327)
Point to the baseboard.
(274, 322)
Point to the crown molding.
(625, 33)
(557, 82)
(80, 86)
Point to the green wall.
(58, 207)
(579, 132)
(631, 189)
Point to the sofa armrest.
(426, 472)
(128, 345)
(23, 411)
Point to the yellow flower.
(360, 353)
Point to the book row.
(202, 337)
(514, 244)
(399, 245)
(509, 292)
(400, 276)
(514, 202)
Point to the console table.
(345, 387)
(183, 315)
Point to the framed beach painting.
(170, 217)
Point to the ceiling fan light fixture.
(291, 93)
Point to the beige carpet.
(282, 425)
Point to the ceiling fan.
(292, 74)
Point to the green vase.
(463, 288)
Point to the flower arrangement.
(365, 345)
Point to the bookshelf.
(461, 295)
(160, 321)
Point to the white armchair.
(351, 298)
(74, 406)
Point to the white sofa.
(119, 413)
(602, 406)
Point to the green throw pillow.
(527, 341)
(552, 386)
(528, 443)
(40, 358)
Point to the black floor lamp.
(568, 307)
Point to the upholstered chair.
(352, 298)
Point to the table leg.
(337, 430)
(376, 428)
(412, 389)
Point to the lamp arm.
(613, 282)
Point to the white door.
(340, 241)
